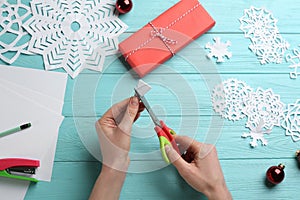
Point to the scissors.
(164, 133)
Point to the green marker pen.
(13, 130)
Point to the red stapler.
(19, 168)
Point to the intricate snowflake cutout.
(259, 25)
(13, 39)
(74, 34)
(257, 134)
(219, 49)
(291, 122)
(294, 59)
(263, 105)
(228, 98)
(257, 22)
(269, 49)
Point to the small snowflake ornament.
(263, 105)
(269, 49)
(257, 134)
(291, 122)
(228, 98)
(218, 49)
(259, 25)
(294, 59)
(257, 22)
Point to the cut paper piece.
(294, 59)
(74, 35)
(14, 39)
(142, 87)
(228, 98)
(218, 49)
(263, 106)
(291, 122)
(257, 134)
(259, 25)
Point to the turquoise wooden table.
(90, 94)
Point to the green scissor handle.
(163, 142)
(4, 173)
(165, 135)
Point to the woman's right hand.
(199, 167)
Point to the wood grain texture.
(181, 96)
(245, 179)
(94, 93)
(144, 139)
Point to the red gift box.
(161, 38)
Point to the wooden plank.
(69, 146)
(70, 180)
(245, 178)
(76, 142)
(225, 13)
(186, 94)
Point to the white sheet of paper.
(34, 142)
(43, 100)
(45, 82)
(13, 189)
(45, 92)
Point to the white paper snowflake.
(269, 49)
(218, 49)
(294, 59)
(263, 105)
(257, 134)
(259, 25)
(74, 34)
(291, 122)
(13, 38)
(228, 98)
(257, 22)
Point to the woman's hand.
(114, 131)
(199, 167)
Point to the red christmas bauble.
(124, 6)
(275, 174)
(298, 156)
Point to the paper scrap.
(142, 87)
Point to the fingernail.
(134, 101)
(167, 148)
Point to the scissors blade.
(148, 108)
